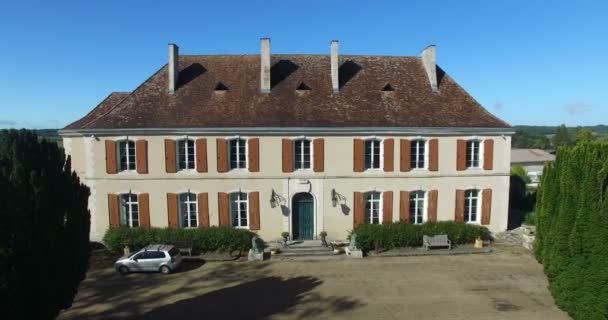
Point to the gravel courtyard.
(505, 284)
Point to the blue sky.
(527, 61)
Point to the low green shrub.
(530, 218)
(208, 239)
(396, 235)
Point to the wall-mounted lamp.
(275, 199)
(336, 198)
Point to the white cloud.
(578, 108)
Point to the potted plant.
(323, 236)
(285, 236)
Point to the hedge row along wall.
(572, 229)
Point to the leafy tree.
(562, 137)
(526, 140)
(519, 171)
(44, 228)
(572, 229)
(583, 135)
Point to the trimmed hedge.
(572, 229)
(396, 235)
(208, 239)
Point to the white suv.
(155, 258)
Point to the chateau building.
(296, 143)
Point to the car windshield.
(132, 254)
(173, 252)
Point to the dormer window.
(303, 87)
(387, 88)
(220, 87)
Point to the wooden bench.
(440, 240)
(184, 246)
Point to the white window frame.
(380, 203)
(424, 206)
(178, 153)
(245, 141)
(479, 150)
(238, 201)
(127, 154)
(188, 201)
(426, 153)
(128, 209)
(380, 159)
(293, 153)
(468, 200)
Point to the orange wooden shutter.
(433, 155)
(358, 155)
(358, 209)
(389, 155)
(203, 210)
(222, 155)
(287, 155)
(461, 154)
(113, 210)
(432, 206)
(387, 207)
(172, 210)
(170, 156)
(141, 156)
(405, 155)
(404, 206)
(459, 209)
(254, 154)
(488, 154)
(486, 206)
(254, 210)
(143, 200)
(222, 209)
(319, 155)
(201, 155)
(111, 157)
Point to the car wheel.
(165, 270)
(123, 270)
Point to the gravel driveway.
(505, 284)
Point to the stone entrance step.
(306, 249)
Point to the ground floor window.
(471, 205)
(188, 217)
(417, 207)
(238, 210)
(372, 207)
(129, 210)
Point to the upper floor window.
(417, 153)
(185, 154)
(372, 154)
(129, 210)
(473, 153)
(372, 207)
(238, 153)
(302, 154)
(417, 199)
(471, 206)
(238, 209)
(188, 217)
(126, 155)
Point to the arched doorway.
(302, 218)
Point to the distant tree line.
(572, 229)
(531, 137)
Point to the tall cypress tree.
(44, 227)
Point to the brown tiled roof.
(113, 99)
(360, 102)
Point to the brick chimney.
(430, 65)
(265, 65)
(173, 67)
(335, 84)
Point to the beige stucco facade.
(88, 160)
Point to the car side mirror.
(135, 259)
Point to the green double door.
(302, 218)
